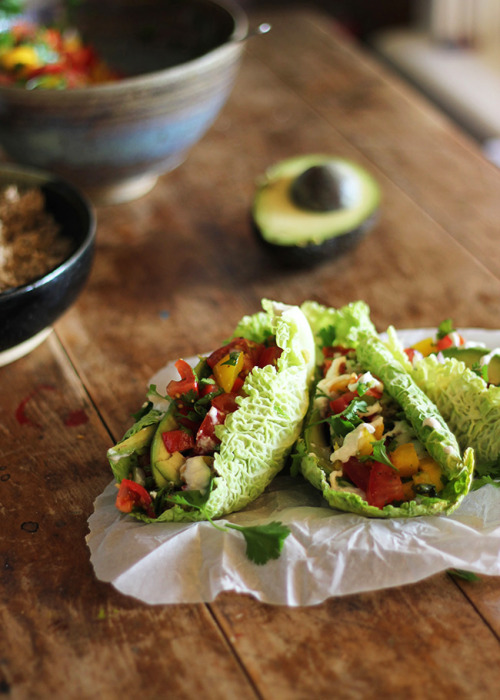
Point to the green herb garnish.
(263, 542)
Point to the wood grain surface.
(173, 273)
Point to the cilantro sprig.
(379, 454)
(263, 542)
(445, 328)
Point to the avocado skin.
(312, 254)
(470, 356)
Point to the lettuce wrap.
(470, 407)
(227, 426)
(373, 442)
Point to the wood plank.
(395, 127)
(65, 634)
(410, 642)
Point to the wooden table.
(173, 273)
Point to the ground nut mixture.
(30, 241)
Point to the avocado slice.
(310, 207)
(471, 356)
(164, 465)
(123, 457)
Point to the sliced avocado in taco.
(373, 442)
(229, 423)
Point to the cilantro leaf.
(264, 542)
(327, 336)
(444, 328)
(379, 454)
(481, 371)
(193, 499)
(232, 360)
(482, 481)
(465, 575)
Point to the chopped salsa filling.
(178, 453)
(375, 451)
(34, 56)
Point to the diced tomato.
(450, 340)
(208, 387)
(248, 347)
(185, 384)
(410, 352)
(237, 386)
(358, 472)
(374, 392)
(269, 356)
(177, 440)
(384, 486)
(226, 403)
(131, 495)
(342, 402)
(206, 439)
(333, 350)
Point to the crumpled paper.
(328, 553)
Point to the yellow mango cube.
(227, 369)
(429, 473)
(405, 459)
(425, 346)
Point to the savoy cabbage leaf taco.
(373, 442)
(226, 427)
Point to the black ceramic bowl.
(28, 312)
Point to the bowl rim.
(234, 42)
(43, 177)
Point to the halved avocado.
(470, 356)
(311, 207)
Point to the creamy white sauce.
(368, 380)
(432, 422)
(351, 441)
(486, 359)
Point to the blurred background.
(448, 49)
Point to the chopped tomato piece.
(342, 402)
(450, 340)
(269, 356)
(132, 495)
(208, 387)
(384, 486)
(177, 440)
(411, 352)
(187, 382)
(226, 403)
(358, 472)
(250, 349)
(206, 439)
(335, 350)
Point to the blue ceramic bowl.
(28, 312)
(113, 140)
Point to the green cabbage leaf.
(470, 407)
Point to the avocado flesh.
(472, 356)
(282, 223)
(123, 456)
(164, 465)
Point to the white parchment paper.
(327, 554)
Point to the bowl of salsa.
(115, 93)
